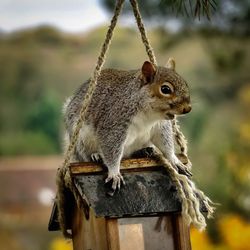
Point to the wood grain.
(181, 233)
(92, 167)
(145, 192)
(89, 234)
(112, 234)
(77, 229)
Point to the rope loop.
(63, 176)
(93, 81)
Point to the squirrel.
(129, 110)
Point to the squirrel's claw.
(117, 180)
(96, 157)
(184, 170)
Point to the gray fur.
(125, 115)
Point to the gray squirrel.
(129, 110)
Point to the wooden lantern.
(144, 215)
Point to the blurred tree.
(44, 117)
(233, 231)
(162, 9)
(231, 15)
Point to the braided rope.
(93, 83)
(186, 188)
(179, 137)
(189, 196)
(143, 32)
(63, 175)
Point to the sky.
(67, 15)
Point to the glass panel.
(146, 233)
(131, 237)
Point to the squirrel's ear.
(148, 71)
(171, 63)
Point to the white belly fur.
(138, 135)
(139, 132)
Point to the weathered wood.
(77, 229)
(89, 234)
(145, 193)
(53, 220)
(69, 210)
(100, 233)
(112, 234)
(136, 163)
(92, 167)
(181, 233)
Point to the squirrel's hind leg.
(147, 152)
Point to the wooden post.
(89, 234)
(77, 229)
(181, 233)
(112, 234)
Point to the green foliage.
(44, 117)
(44, 35)
(230, 15)
(171, 7)
(26, 143)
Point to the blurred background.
(48, 48)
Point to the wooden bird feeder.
(144, 215)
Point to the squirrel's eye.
(165, 89)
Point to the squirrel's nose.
(186, 109)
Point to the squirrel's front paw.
(182, 169)
(144, 152)
(116, 179)
(96, 157)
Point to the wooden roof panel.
(144, 193)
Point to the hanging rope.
(189, 196)
(63, 175)
(185, 187)
(92, 84)
(143, 32)
(179, 136)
